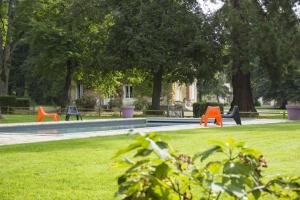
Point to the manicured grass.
(272, 116)
(80, 169)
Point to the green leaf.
(256, 194)
(122, 163)
(162, 145)
(237, 191)
(207, 153)
(122, 179)
(136, 165)
(237, 168)
(153, 136)
(250, 151)
(214, 167)
(143, 152)
(219, 143)
(131, 147)
(230, 143)
(162, 171)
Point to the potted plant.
(127, 109)
(293, 107)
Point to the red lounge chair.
(212, 113)
(42, 114)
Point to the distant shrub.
(86, 102)
(200, 108)
(227, 170)
(7, 101)
(22, 102)
(154, 112)
(141, 104)
(257, 103)
(115, 103)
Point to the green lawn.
(80, 169)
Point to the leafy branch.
(227, 169)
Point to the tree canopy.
(47, 44)
(153, 36)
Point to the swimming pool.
(82, 126)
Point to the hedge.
(200, 108)
(22, 102)
(86, 102)
(13, 101)
(154, 112)
(7, 101)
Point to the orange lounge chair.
(212, 113)
(41, 114)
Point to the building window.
(128, 91)
(79, 90)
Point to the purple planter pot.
(127, 111)
(293, 112)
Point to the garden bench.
(73, 111)
(234, 114)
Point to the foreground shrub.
(200, 108)
(156, 171)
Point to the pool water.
(87, 129)
(79, 127)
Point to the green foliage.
(156, 171)
(153, 36)
(115, 103)
(277, 75)
(200, 108)
(22, 102)
(154, 112)
(141, 104)
(86, 101)
(213, 86)
(13, 101)
(57, 40)
(7, 101)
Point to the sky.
(209, 7)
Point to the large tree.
(63, 38)
(238, 18)
(259, 34)
(152, 36)
(6, 42)
(278, 72)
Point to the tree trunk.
(199, 90)
(241, 82)
(5, 54)
(156, 92)
(282, 104)
(218, 98)
(242, 93)
(68, 81)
